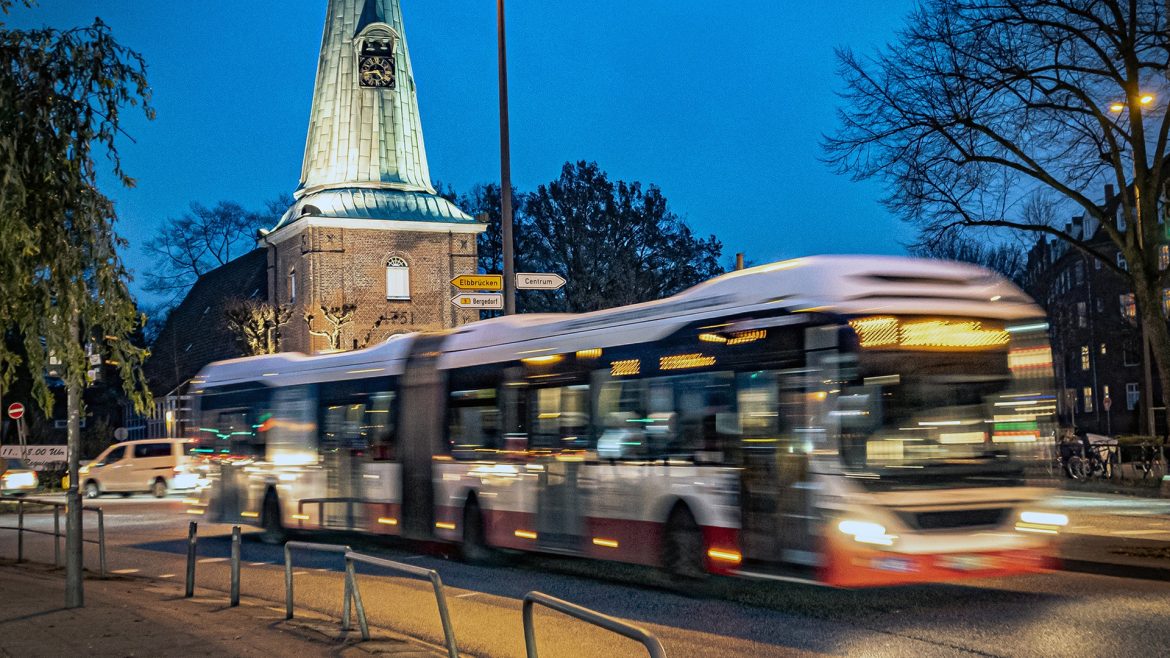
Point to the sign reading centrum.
(539, 281)
(479, 282)
(480, 300)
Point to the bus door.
(422, 410)
(558, 436)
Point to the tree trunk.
(74, 558)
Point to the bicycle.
(1149, 463)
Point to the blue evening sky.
(721, 104)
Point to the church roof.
(373, 203)
(195, 332)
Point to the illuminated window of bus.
(560, 418)
(473, 422)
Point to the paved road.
(1062, 614)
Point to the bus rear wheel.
(474, 548)
(682, 547)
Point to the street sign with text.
(539, 281)
(479, 282)
(479, 300)
(15, 410)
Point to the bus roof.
(845, 285)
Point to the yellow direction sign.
(479, 282)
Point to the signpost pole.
(505, 169)
(74, 593)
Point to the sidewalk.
(141, 617)
(1116, 535)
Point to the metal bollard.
(102, 542)
(191, 532)
(352, 591)
(56, 535)
(235, 566)
(20, 531)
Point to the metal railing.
(192, 540)
(325, 548)
(611, 624)
(430, 574)
(56, 533)
(322, 502)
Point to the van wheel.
(159, 488)
(92, 490)
(474, 548)
(682, 547)
(273, 528)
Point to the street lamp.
(505, 170)
(1117, 107)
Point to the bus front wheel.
(682, 549)
(273, 528)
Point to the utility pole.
(74, 593)
(505, 170)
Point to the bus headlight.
(1045, 523)
(867, 532)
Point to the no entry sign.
(15, 410)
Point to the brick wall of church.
(336, 266)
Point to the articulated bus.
(848, 420)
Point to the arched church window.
(397, 279)
(292, 285)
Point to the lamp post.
(1147, 374)
(505, 170)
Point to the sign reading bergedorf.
(482, 300)
(479, 282)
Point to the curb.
(1116, 570)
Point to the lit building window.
(397, 279)
(1121, 262)
(1104, 350)
(1128, 306)
(1166, 302)
(1132, 393)
(292, 285)
(1164, 256)
(1087, 393)
(1084, 357)
(1082, 315)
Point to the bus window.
(379, 425)
(620, 416)
(473, 423)
(560, 418)
(290, 428)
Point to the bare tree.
(187, 247)
(255, 325)
(337, 317)
(980, 104)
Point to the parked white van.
(150, 465)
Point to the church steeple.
(364, 156)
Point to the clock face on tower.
(376, 71)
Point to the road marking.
(320, 570)
(123, 571)
(1139, 532)
(167, 575)
(213, 559)
(258, 564)
(463, 596)
(414, 557)
(300, 573)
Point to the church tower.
(367, 229)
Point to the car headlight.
(867, 532)
(19, 480)
(1045, 523)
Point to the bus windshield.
(968, 403)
